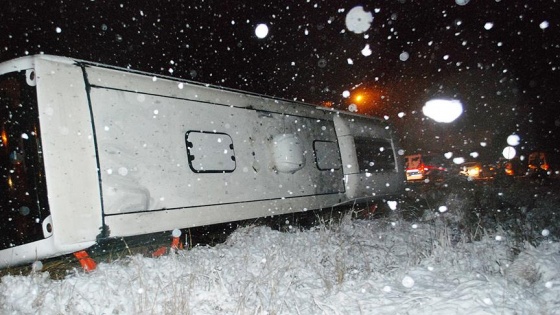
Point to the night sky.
(501, 59)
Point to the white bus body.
(91, 151)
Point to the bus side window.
(327, 155)
(210, 152)
(374, 155)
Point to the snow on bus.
(90, 152)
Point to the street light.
(364, 100)
(358, 98)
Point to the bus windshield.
(23, 200)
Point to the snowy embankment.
(355, 267)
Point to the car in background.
(543, 166)
(543, 163)
(510, 167)
(414, 167)
(422, 166)
(472, 170)
(538, 162)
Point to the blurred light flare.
(4, 137)
(442, 110)
(364, 99)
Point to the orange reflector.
(176, 243)
(160, 251)
(87, 263)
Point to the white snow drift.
(357, 267)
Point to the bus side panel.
(154, 221)
(164, 154)
(46, 248)
(69, 153)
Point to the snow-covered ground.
(382, 266)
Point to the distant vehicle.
(542, 163)
(422, 166)
(508, 167)
(414, 167)
(506, 170)
(90, 152)
(489, 170)
(472, 170)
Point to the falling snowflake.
(407, 282)
(366, 51)
(461, 2)
(513, 140)
(261, 30)
(358, 20)
(404, 56)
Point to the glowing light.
(444, 111)
(4, 138)
(328, 104)
(365, 98)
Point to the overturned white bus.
(90, 151)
